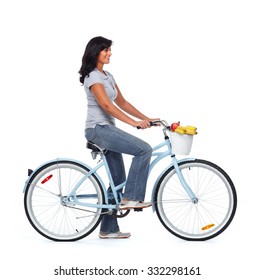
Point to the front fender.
(159, 177)
(31, 173)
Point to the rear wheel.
(46, 206)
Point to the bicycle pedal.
(138, 209)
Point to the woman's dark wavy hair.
(92, 50)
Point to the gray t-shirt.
(95, 113)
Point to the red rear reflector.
(46, 179)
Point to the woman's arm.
(104, 101)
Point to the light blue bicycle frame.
(72, 197)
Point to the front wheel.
(211, 215)
(46, 206)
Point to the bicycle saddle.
(93, 147)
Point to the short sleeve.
(93, 78)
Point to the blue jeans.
(116, 142)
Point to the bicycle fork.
(192, 196)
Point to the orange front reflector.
(208, 226)
(46, 179)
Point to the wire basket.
(181, 143)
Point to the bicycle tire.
(44, 196)
(211, 215)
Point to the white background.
(191, 61)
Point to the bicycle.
(194, 199)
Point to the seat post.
(95, 149)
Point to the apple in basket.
(174, 125)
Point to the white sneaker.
(131, 204)
(114, 235)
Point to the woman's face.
(104, 56)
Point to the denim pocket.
(91, 135)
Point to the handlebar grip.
(151, 124)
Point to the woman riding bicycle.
(102, 92)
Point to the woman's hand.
(143, 124)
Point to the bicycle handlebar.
(156, 123)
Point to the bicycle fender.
(32, 172)
(159, 177)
